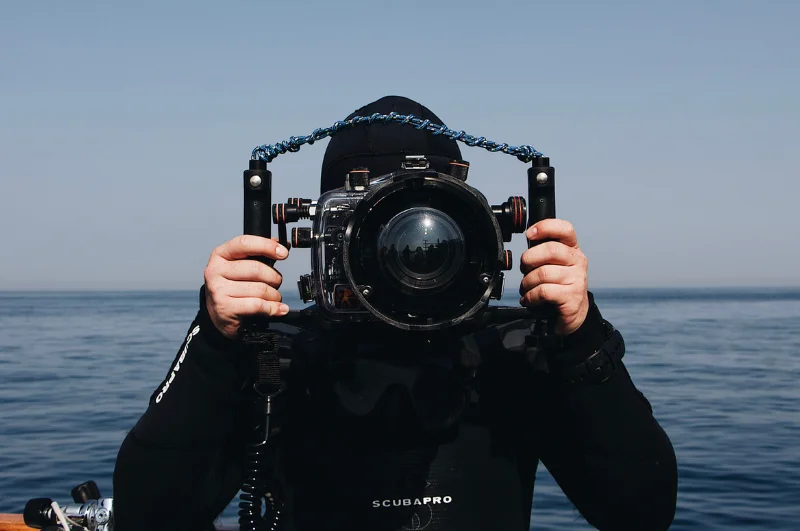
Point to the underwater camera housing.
(415, 248)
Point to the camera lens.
(422, 248)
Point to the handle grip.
(542, 205)
(258, 203)
(541, 193)
(257, 222)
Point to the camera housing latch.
(416, 162)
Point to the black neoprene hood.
(382, 147)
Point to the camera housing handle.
(257, 343)
(542, 205)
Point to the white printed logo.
(177, 366)
(407, 502)
(422, 517)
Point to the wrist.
(590, 354)
(583, 342)
(209, 329)
(599, 366)
(568, 329)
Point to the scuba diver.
(394, 431)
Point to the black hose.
(254, 487)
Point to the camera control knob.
(511, 216)
(301, 237)
(459, 169)
(508, 260)
(306, 287)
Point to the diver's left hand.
(556, 272)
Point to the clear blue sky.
(125, 126)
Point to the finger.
(250, 270)
(256, 306)
(546, 293)
(258, 290)
(552, 228)
(546, 274)
(555, 253)
(247, 245)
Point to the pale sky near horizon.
(125, 127)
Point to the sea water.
(720, 367)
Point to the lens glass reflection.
(422, 247)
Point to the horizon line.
(603, 288)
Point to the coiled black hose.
(254, 488)
(259, 342)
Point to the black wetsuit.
(441, 436)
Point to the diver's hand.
(556, 272)
(237, 287)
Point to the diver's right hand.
(238, 287)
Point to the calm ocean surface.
(721, 368)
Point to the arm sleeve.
(179, 467)
(603, 446)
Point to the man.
(384, 433)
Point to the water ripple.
(719, 367)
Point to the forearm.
(609, 454)
(611, 457)
(159, 488)
(174, 463)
